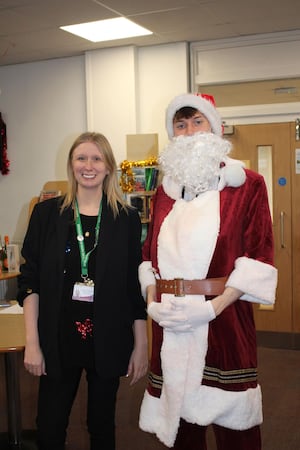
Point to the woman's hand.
(34, 360)
(138, 363)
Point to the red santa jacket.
(245, 232)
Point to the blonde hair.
(110, 184)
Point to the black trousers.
(56, 397)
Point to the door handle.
(282, 244)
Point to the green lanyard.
(84, 257)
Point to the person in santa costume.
(207, 257)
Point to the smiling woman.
(89, 171)
(91, 163)
(91, 309)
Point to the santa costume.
(206, 374)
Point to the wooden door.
(274, 142)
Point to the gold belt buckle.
(178, 287)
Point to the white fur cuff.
(146, 276)
(256, 279)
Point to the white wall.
(47, 104)
(44, 107)
(163, 72)
(115, 91)
(259, 57)
(111, 94)
(128, 90)
(249, 58)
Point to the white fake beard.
(194, 161)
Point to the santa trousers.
(193, 437)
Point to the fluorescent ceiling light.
(107, 30)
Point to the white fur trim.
(146, 276)
(183, 360)
(197, 102)
(232, 174)
(171, 188)
(230, 409)
(256, 279)
(234, 410)
(189, 226)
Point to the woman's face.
(88, 166)
(189, 126)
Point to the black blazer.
(118, 301)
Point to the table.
(7, 275)
(12, 341)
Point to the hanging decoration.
(127, 179)
(4, 162)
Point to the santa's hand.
(187, 314)
(159, 311)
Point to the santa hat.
(203, 103)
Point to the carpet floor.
(279, 376)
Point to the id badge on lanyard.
(84, 291)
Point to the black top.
(117, 297)
(77, 325)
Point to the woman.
(210, 246)
(80, 293)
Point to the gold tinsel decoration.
(127, 176)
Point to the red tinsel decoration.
(4, 162)
(85, 328)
